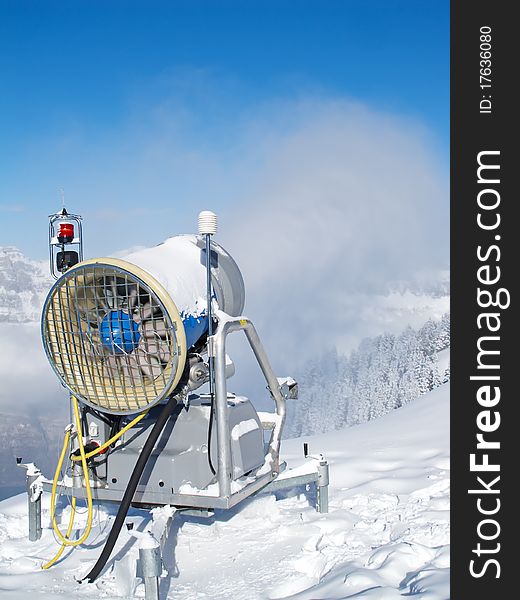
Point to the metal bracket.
(318, 478)
(288, 387)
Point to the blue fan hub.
(119, 332)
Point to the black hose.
(131, 487)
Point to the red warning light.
(66, 233)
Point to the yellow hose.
(113, 439)
(65, 538)
(65, 541)
(66, 440)
(49, 564)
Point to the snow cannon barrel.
(117, 332)
(179, 265)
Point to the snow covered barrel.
(117, 331)
(179, 265)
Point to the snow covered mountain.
(23, 286)
(386, 536)
(28, 386)
(35, 438)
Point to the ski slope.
(386, 535)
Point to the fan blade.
(147, 311)
(150, 365)
(154, 330)
(97, 349)
(112, 366)
(156, 347)
(81, 299)
(133, 297)
(131, 370)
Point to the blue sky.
(95, 95)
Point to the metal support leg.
(34, 504)
(151, 588)
(222, 413)
(322, 487)
(217, 347)
(151, 568)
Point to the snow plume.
(325, 202)
(343, 203)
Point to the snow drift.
(386, 535)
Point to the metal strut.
(209, 296)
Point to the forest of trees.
(384, 373)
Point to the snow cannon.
(132, 339)
(119, 331)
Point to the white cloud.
(28, 382)
(12, 208)
(346, 202)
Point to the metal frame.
(202, 505)
(266, 479)
(271, 468)
(319, 478)
(217, 349)
(63, 215)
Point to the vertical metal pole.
(34, 509)
(151, 588)
(209, 295)
(151, 568)
(223, 443)
(217, 367)
(80, 232)
(77, 481)
(322, 487)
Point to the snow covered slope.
(384, 373)
(386, 535)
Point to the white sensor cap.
(207, 223)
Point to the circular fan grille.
(114, 336)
